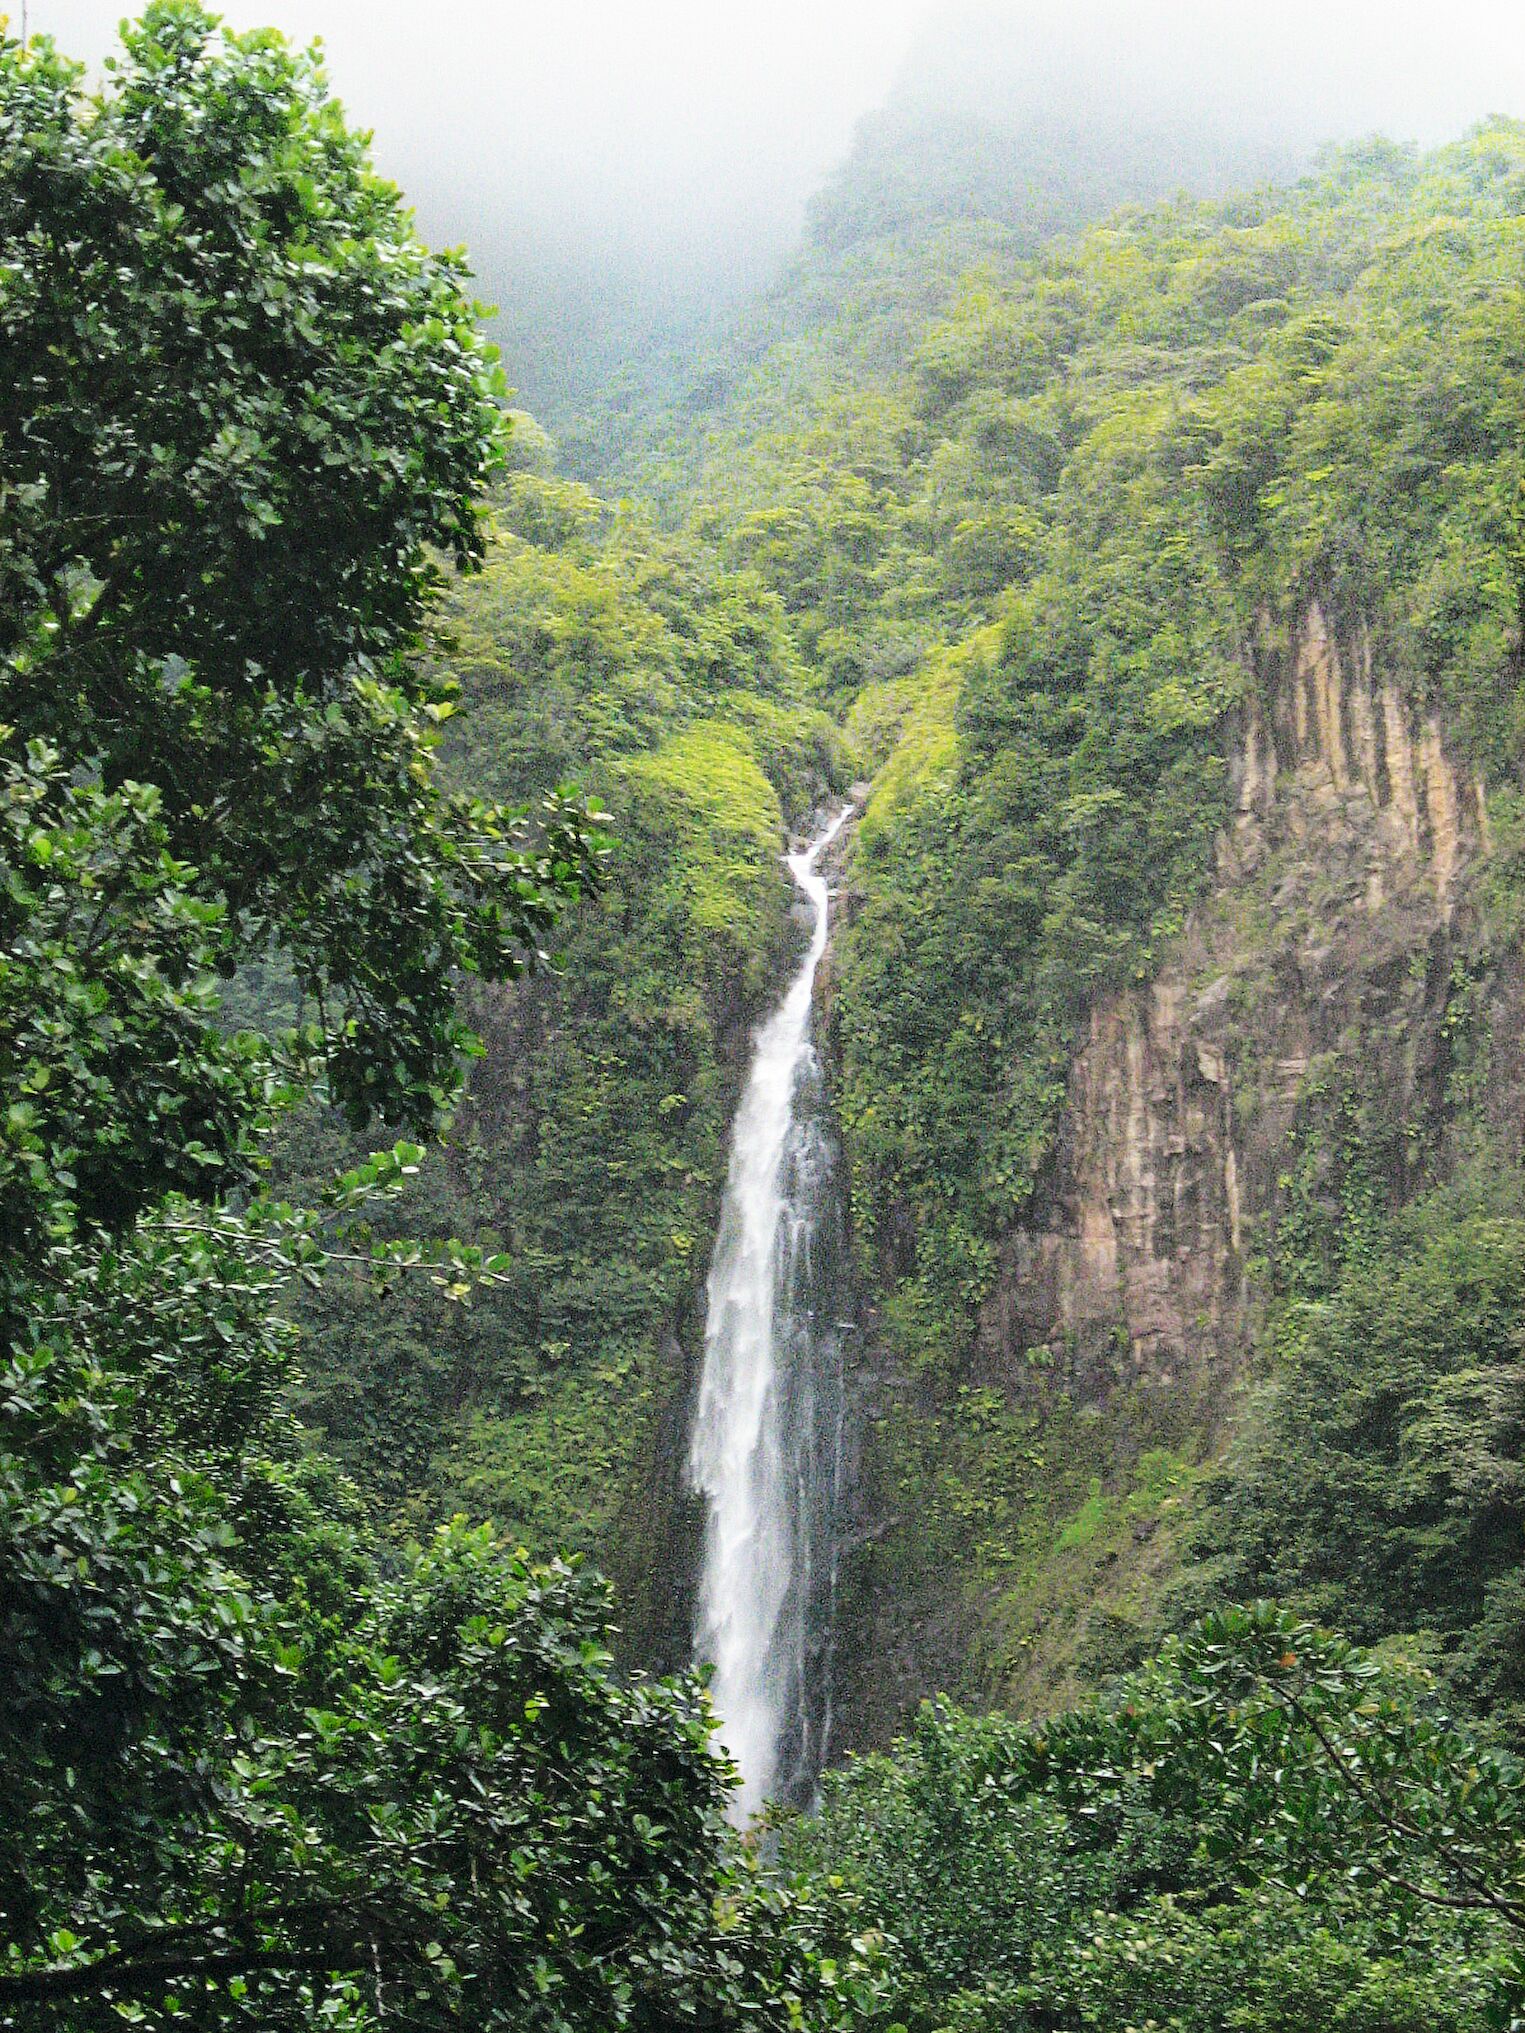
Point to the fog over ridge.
(619, 171)
(1308, 70)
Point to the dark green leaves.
(119, 1083)
(1263, 1830)
(244, 423)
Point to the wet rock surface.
(1338, 980)
(1343, 903)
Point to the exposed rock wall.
(1334, 1019)
(1341, 903)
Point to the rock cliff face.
(1328, 1024)
(1328, 950)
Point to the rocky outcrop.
(1325, 956)
(1341, 1012)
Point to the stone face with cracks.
(1340, 939)
(1341, 898)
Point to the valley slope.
(1165, 584)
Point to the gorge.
(1177, 656)
(762, 1229)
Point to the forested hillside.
(1148, 569)
(1064, 555)
(592, 1144)
(1270, 455)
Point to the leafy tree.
(122, 1087)
(254, 1769)
(250, 1773)
(1263, 1830)
(245, 421)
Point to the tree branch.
(1481, 1895)
(169, 1954)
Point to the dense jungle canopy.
(373, 766)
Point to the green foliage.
(1331, 1198)
(246, 419)
(255, 1768)
(122, 1086)
(1027, 520)
(591, 1145)
(1023, 518)
(1026, 1548)
(251, 1780)
(1379, 1481)
(1261, 1831)
(733, 814)
(1200, 415)
(1099, 482)
(1036, 521)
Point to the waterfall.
(767, 1438)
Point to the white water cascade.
(767, 1437)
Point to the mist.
(1297, 70)
(616, 170)
(623, 172)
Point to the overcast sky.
(595, 116)
(613, 109)
(1421, 70)
(643, 144)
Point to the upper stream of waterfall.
(767, 1439)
